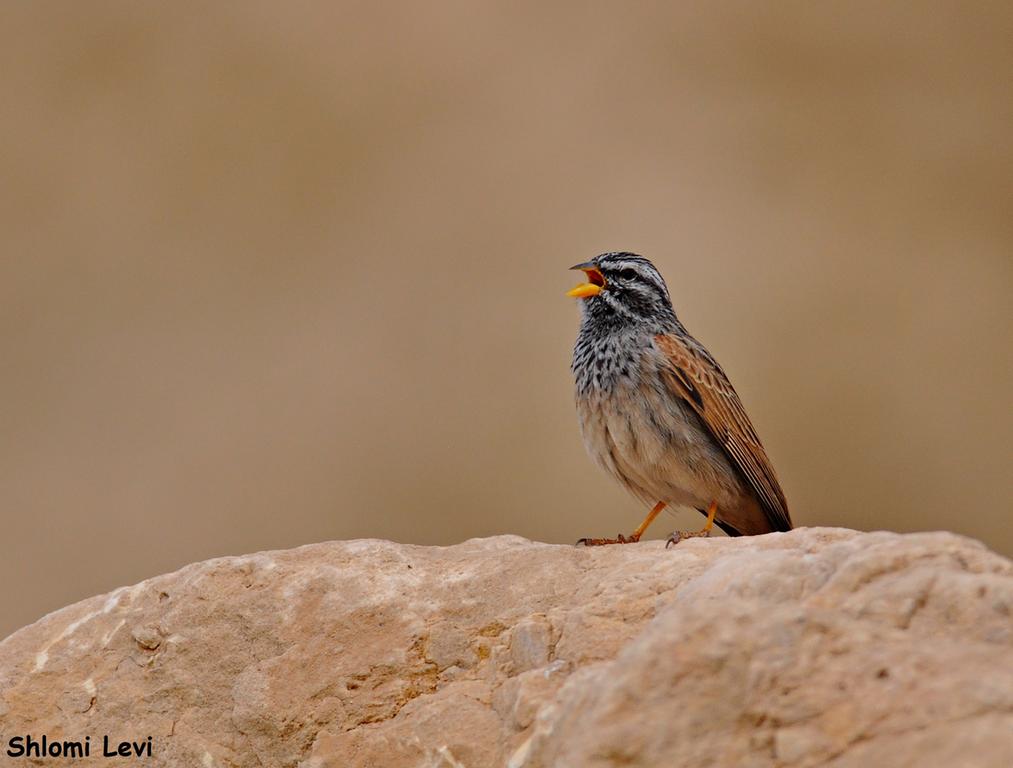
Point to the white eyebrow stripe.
(619, 260)
(646, 271)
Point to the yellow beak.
(593, 286)
(584, 290)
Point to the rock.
(814, 647)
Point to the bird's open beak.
(593, 286)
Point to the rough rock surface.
(815, 647)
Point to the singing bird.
(657, 412)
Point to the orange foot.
(677, 536)
(633, 537)
(619, 539)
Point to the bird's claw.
(676, 536)
(619, 539)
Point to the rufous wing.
(695, 376)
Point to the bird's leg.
(633, 537)
(678, 536)
(655, 511)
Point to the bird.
(658, 413)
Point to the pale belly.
(660, 450)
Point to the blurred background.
(275, 275)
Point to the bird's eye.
(628, 274)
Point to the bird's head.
(624, 286)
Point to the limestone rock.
(814, 647)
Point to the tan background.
(276, 276)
